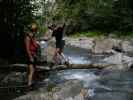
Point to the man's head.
(33, 27)
(52, 27)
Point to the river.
(102, 85)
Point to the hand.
(37, 42)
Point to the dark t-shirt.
(58, 33)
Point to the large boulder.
(93, 45)
(87, 43)
(70, 90)
(105, 45)
(119, 61)
(127, 47)
(50, 53)
(82, 42)
(14, 77)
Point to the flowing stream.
(102, 85)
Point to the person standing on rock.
(58, 34)
(31, 46)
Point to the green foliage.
(89, 15)
(80, 16)
(88, 34)
(15, 16)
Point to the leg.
(56, 55)
(30, 74)
(58, 51)
(63, 56)
(35, 75)
(66, 60)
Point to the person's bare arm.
(63, 25)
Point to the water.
(81, 56)
(120, 84)
(110, 86)
(76, 55)
(102, 85)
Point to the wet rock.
(97, 46)
(70, 90)
(87, 43)
(119, 61)
(111, 45)
(14, 77)
(103, 46)
(50, 53)
(114, 59)
(111, 96)
(82, 42)
(106, 45)
(127, 47)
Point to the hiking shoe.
(32, 87)
(67, 63)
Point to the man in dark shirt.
(58, 34)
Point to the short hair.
(33, 26)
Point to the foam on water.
(77, 60)
(84, 76)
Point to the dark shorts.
(60, 44)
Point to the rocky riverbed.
(114, 82)
(102, 45)
(120, 51)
